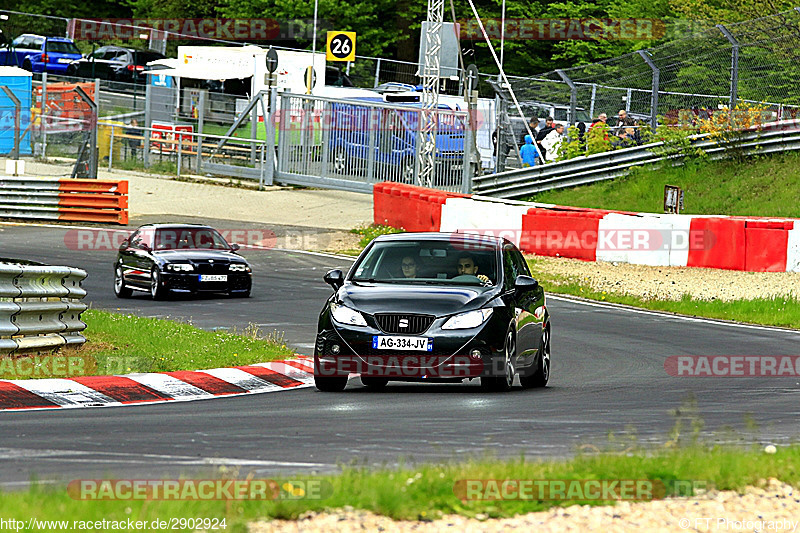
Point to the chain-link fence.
(722, 66)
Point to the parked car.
(434, 307)
(161, 258)
(38, 53)
(115, 63)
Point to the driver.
(467, 266)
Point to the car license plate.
(420, 344)
(456, 167)
(64, 60)
(213, 277)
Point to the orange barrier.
(766, 245)
(561, 233)
(409, 207)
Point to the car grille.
(211, 268)
(391, 323)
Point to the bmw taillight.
(44, 58)
(135, 67)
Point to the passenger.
(528, 152)
(467, 267)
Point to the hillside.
(764, 186)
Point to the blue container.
(20, 82)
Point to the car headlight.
(470, 319)
(345, 315)
(180, 267)
(239, 267)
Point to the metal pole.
(201, 113)
(654, 95)
(17, 109)
(253, 133)
(377, 73)
(148, 98)
(591, 105)
(111, 148)
(573, 95)
(628, 99)
(734, 66)
(42, 113)
(180, 152)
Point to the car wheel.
(330, 383)
(26, 65)
(240, 294)
(339, 161)
(157, 290)
(541, 375)
(119, 285)
(505, 380)
(373, 382)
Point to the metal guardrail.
(616, 163)
(40, 307)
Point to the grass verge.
(759, 188)
(773, 311)
(430, 491)
(123, 344)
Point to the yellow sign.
(341, 46)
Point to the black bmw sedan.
(434, 307)
(160, 258)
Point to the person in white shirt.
(552, 143)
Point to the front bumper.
(190, 282)
(455, 354)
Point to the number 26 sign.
(341, 46)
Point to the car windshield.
(189, 238)
(62, 47)
(431, 262)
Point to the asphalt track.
(608, 377)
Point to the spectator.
(134, 137)
(601, 122)
(528, 152)
(548, 127)
(624, 138)
(552, 143)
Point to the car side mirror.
(146, 247)
(334, 278)
(524, 284)
(124, 244)
(234, 247)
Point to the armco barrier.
(64, 199)
(40, 307)
(734, 243)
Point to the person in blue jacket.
(529, 153)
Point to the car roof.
(174, 225)
(438, 236)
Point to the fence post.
(573, 95)
(180, 152)
(466, 161)
(377, 73)
(269, 128)
(591, 105)
(42, 112)
(372, 124)
(654, 95)
(734, 65)
(201, 113)
(628, 100)
(148, 98)
(111, 148)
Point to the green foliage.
(368, 233)
(676, 141)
